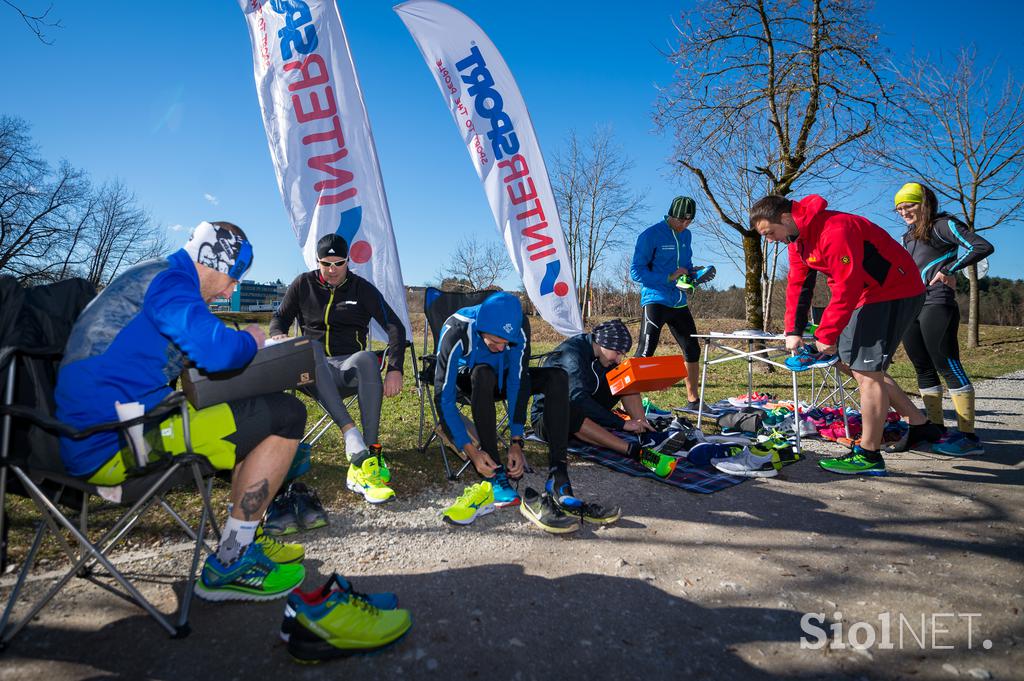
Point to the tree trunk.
(755, 267)
(973, 301)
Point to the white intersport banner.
(320, 138)
(495, 125)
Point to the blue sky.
(162, 96)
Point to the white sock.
(353, 442)
(237, 535)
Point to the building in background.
(251, 296)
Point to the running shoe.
(505, 494)
(652, 408)
(854, 463)
(300, 462)
(475, 500)
(366, 480)
(660, 464)
(703, 275)
(385, 469)
(685, 283)
(314, 602)
(543, 512)
(344, 625)
(308, 509)
(810, 358)
(748, 464)
(960, 444)
(251, 577)
(589, 511)
(281, 519)
(701, 454)
(694, 408)
(925, 433)
(278, 551)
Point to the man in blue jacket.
(130, 343)
(662, 255)
(483, 352)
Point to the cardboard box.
(646, 374)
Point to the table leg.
(703, 380)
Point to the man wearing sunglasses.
(335, 306)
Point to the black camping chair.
(438, 306)
(30, 463)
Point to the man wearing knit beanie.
(586, 359)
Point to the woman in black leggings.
(934, 239)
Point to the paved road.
(685, 585)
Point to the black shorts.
(874, 333)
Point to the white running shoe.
(747, 464)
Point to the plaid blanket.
(699, 479)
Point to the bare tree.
(36, 205)
(595, 203)
(119, 234)
(769, 94)
(964, 141)
(37, 22)
(476, 265)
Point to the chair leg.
(30, 559)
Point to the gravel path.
(684, 585)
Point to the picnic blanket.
(698, 479)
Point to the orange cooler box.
(646, 374)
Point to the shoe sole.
(524, 510)
(602, 521)
(222, 595)
(317, 524)
(749, 474)
(816, 365)
(483, 510)
(358, 489)
(291, 529)
(960, 455)
(878, 473)
(314, 652)
(506, 504)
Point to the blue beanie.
(501, 315)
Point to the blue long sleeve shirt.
(130, 343)
(659, 252)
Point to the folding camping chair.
(30, 463)
(438, 305)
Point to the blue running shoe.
(960, 444)
(251, 577)
(652, 408)
(810, 358)
(504, 494)
(314, 604)
(703, 275)
(653, 440)
(702, 453)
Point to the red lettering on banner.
(317, 111)
(308, 80)
(525, 195)
(320, 104)
(538, 239)
(518, 165)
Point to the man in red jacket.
(876, 294)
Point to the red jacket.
(862, 262)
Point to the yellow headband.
(911, 192)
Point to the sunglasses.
(332, 265)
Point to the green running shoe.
(385, 470)
(854, 463)
(475, 500)
(251, 577)
(660, 464)
(342, 626)
(278, 551)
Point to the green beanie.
(911, 192)
(682, 208)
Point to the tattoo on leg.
(254, 498)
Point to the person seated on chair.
(335, 306)
(483, 352)
(130, 343)
(586, 359)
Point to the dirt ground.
(685, 585)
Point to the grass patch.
(999, 354)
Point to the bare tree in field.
(476, 265)
(964, 137)
(595, 203)
(119, 234)
(769, 95)
(37, 205)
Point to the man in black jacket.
(335, 306)
(586, 359)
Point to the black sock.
(359, 458)
(559, 477)
(634, 450)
